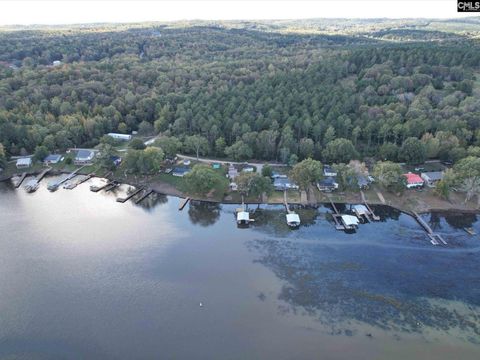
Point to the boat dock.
(33, 184)
(183, 203)
(20, 180)
(435, 239)
(125, 199)
(77, 181)
(144, 196)
(336, 216)
(285, 202)
(370, 213)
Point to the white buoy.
(201, 304)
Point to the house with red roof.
(413, 180)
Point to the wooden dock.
(336, 215)
(111, 185)
(435, 238)
(32, 185)
(20, 181)
(125, 199)
(371, 213)
(183, 203)
(43, 173)
(285, 202)
(144, 196)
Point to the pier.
(20, 180)
(293, 220)
(370, 213)
(183, 203)
(144, 196)
(435, 238)
(125, 199)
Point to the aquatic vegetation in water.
(396, 289)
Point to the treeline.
(247, 94)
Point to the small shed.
(24, 162)
(117, 136)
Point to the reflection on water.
(86, 277)
(203, 213)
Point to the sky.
(28, 12)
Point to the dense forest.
(276, 91)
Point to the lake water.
(85, 277)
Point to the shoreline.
(168, 190)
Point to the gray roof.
(53, 157)
(433, 175)
(84, 155)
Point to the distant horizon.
(77, 13)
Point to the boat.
(293, 220)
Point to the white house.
(24, 162)
(124, 137)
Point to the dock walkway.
(434, 237)
(20, 181)
(371, 213)
(144, 196)
(125, 199)
(183, 203)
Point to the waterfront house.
(363, 182)
(180, 171)
(328, 171)
(431, 178)
(413, 180)
(117, 136)
(282, 184)
(327, 184)
(84, 157)
(52, 159)
(24, 162)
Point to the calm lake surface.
(85, 277)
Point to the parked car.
(186, 162)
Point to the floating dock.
(125, 199)
(435, 238)
(183, 203)
(144, 196)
